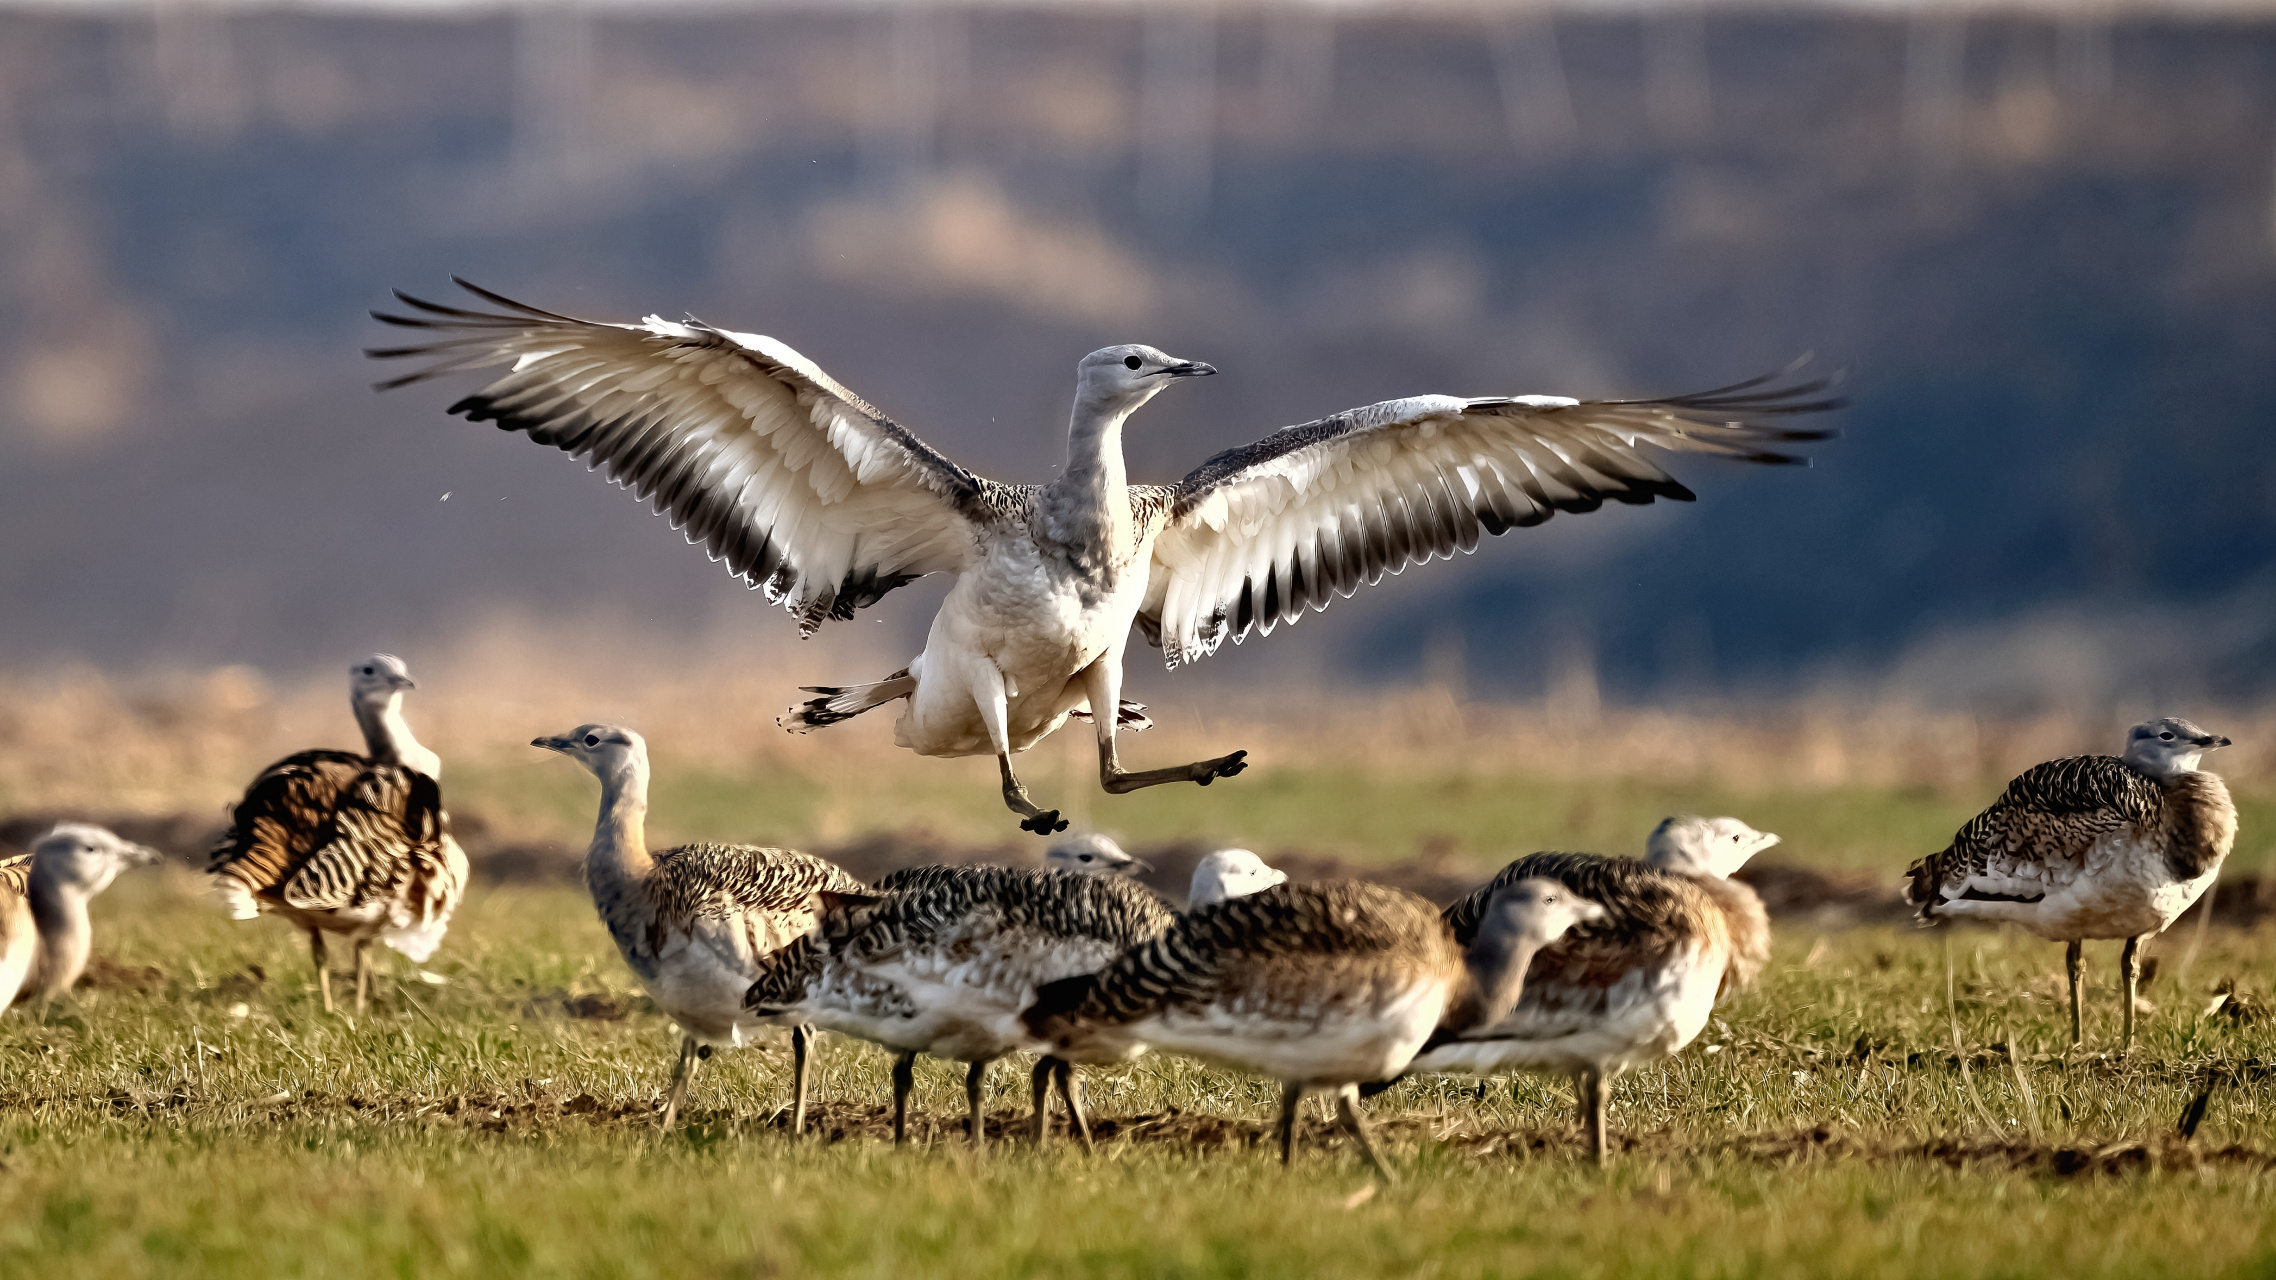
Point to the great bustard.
(696, 922)
(45, 935)
(1229, 873)
(826, 504)
(1092, 854)
(944, 960)
(1633, 987)
(1320, 986)
(2091, 847)
(354, 845)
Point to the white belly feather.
(2122, 888)
(1650, 1012)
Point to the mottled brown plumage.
(355, 845)
(2091, 847)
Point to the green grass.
(194, 1121)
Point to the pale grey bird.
(1229, 873)
(1093, 855)
(696, 922)
(2092, 847)
(45, 936)
(813, 496)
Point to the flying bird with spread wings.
(825, 504)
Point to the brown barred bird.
(943, 961)
(1321, 986)
(2091, 847)
(355, 845)
(45, 935)
(1633, 987)
(697, 922)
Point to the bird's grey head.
(2169, 745)
(1535, 912)
(611, 751)
(1230, 873)
(1704, 846)
(1093, 855)
(378, 677)
(86, 857)
(1127, 376)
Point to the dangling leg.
(1065, 1073)
(2074, 960)
(1040, 1084)
(904, 1079)
(1102, 684)
(363, 972)
(1290, 1096)
(801, 1037)
(995, 712)
(682, 1072)
(1592, 1097)
(975, 1076)
(323, 969)
(2130, 961)
(1347, 1110)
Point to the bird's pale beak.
(1138, 867)
(552, 744)
(143, 854)
(402, 682)
(1189, 369)
(2212, 740)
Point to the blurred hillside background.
(2040, 240)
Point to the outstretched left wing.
(1311, 512)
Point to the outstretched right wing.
(807, 492)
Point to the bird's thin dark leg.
(2130, 962)
(1040, 1084)
(2074, 959)
(1064, 1072)
(363, 972)
(1290, 1096)
(682, 1072)
(1347, 1110)
(975, 1076)
(323, 967)
(1102, 684)
(1033, 818)
(801, 1039)
(1592, 1098)
(904, 1079)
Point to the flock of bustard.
(1568, 963)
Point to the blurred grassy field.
(188, 1118)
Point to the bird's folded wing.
(385, 828)
(747, 447)
(2032, 838)
(1313, 511)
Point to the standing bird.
(45, 936)
(1634, 986)
(813, 496)
(1321, 986)
(1229, 873)
(698, 922)
(354, 845)
(2091, 847)
(944, 960)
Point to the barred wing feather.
(1311, 512)
(805, 491)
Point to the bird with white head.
(813, 496)
(45, 934)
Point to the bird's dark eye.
(2167, 736)
(592, 739)
(1130, 362)
(1083, 858)
(367, 671)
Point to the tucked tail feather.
(1922, 889)
(234, 897)
(844, 702)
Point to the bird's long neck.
(619, 856)
(1496, 962)
(387, 736)
(1087, 509)
(59, 909)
